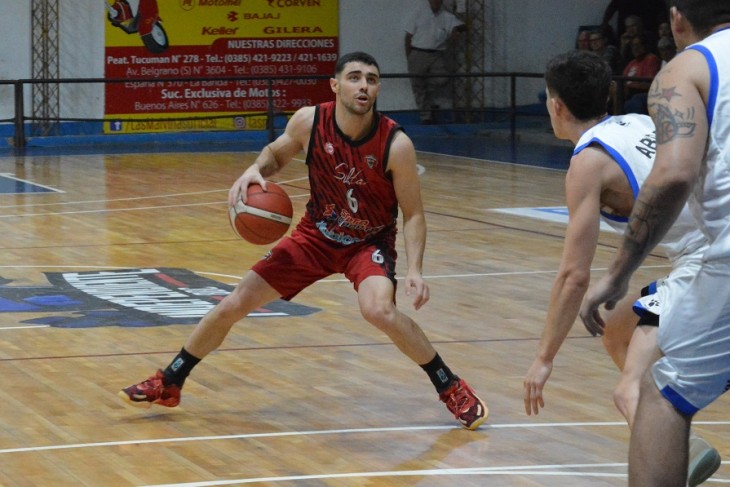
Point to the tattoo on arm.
(639, 230)
(670, 123)
(650, 220)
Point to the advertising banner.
(247, 41)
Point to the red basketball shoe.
(466, 406)
(151, 391)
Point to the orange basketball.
(266, 215)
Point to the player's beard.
(354, 107)
(360, 110)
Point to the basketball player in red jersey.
(362, 168)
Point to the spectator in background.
(651, 13)
(644, 64)
(664, 30)
(667, 49)
(608, 53)
(634, 27)
(429, 32)
(582, 40)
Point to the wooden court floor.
(315, 398)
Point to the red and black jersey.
(352, 196)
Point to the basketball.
(265, 217)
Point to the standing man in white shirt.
(429, 30)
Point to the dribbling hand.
(239, 189)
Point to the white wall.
(530, 32)
(81, 32)
(14, 50)
(521, 36)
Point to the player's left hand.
(417, 288)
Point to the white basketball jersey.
(631, 141)
(710, 201)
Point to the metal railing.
(20, 119)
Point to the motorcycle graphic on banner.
(140, 17)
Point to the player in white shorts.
(696, 340)
(612, 157)
(689, 101)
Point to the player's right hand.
(240, 187)
(533, 385)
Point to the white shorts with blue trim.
(694, 335)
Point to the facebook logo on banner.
(115, 126)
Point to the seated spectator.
(664, 30)
(644, 64)
(667, 49)
(581, 40)
(634, 27)
(609, 53)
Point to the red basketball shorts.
(301, 259)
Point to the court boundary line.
(281, 434)
(523, 470)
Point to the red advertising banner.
(149, 42)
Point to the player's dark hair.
(357, 56)
(703, 14)
(581, 79)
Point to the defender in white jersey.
(689, 102)
(613, 156)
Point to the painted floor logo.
(555, 214)
(126, 297)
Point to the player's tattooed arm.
(666, 189)
(650, 219)
(671, 119)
